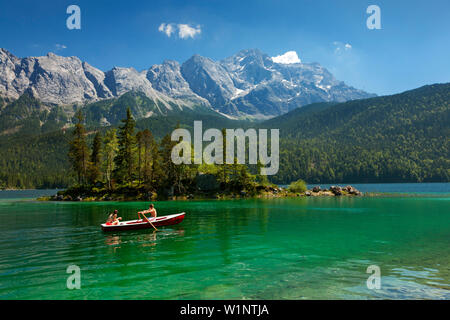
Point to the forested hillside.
(398, 138)
(34, 161)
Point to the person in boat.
(151, 210)
(110, 219)
(116, 219)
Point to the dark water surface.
(305, 248)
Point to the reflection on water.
(113, 241)
(145, 238)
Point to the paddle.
(149, 221)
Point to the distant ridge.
(398, 138)
(248, 84)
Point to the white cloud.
(168, 28)
(287, 58)
(60, 46)
(185, 31)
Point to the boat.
(143, 224)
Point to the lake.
(302, 248)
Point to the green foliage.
(29, 116)
(149, 161)
(78, 151)
(166, 164)
(261, 179)
(112, 111)
(35, 161)
(125, 159)
(110, 148)
(298, 186)
(96, 159)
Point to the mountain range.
(248, 84)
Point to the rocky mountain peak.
(167, 78)
(6, 53)
(248, 83)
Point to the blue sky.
(412, 48)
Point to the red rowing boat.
(142, 224)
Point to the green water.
(310, 248)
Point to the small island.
(122, 165)
(141, 194)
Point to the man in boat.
(151, 210)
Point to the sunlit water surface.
(304, 248)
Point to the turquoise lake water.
(302, 248)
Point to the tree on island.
(110, 149)
(96, 159)
(298, 186)
(260, 178)
(78, 150)
(125, 159)
(150, 168)
(139, 144)
(167, 165)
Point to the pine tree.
(156, 173)
(150, 157)
(140, 149)
(96, 159)
(125, 160)
(167, 165)
(262, 179)
(110, 148)
(224, 166)
(78, 150)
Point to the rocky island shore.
(133, 194)
(316, 191)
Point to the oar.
(149, 221)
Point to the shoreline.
(262, 192)
(285, 186)
(259, 196)
(267, 192)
